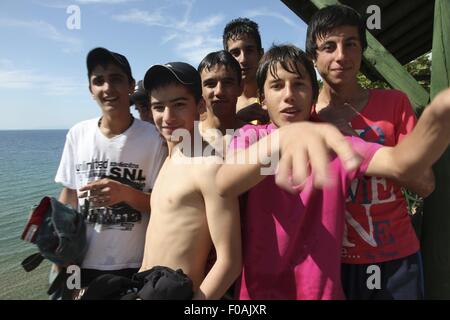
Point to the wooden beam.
(323, 3)
(377, 57)
(441, 43)
(414, 55)
(408, 24)
(411, 37)
(412, 47)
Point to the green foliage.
(420, 69)
(415, 209)
(368, 84)
(415, 203)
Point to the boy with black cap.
(107, 169)
(188, 215)
(140, 100)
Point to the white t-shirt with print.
(115, 235)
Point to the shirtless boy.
(188, 215)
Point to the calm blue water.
(28, 164)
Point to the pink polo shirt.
(292, 243)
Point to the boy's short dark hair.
(330, 17)
(223, 58)
(161, 75)
(103, 57)
(238, 27)
(288, 56)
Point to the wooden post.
(435, 238)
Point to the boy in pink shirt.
(291, 242)
(292, 238)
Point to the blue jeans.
(400, 279)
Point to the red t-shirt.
(378, 227)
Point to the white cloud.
(14, 79)
(192, 39)
(197, 47)
(157, 19)
(104, 1)
(42, 29)
(169, 37)
(207, 24)
(264, 12)
(195, 56)
(60, 4)
(142, 17)
(6, 63)
(56, 4)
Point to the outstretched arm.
(423, 184)
(304, 149)
(421, 148)
(224, 226)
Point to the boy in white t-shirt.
(108, 168)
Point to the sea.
(28, 163)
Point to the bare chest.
(176, 188)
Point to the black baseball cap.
(139, 94)
(182, 72)
(101, 55)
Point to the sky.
(43, 77)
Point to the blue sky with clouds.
(43, 82)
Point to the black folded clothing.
(163, 283)
(158, 283)
(109, 287)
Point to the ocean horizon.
(28, 163)
(45, 129)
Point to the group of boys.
(216, 222)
